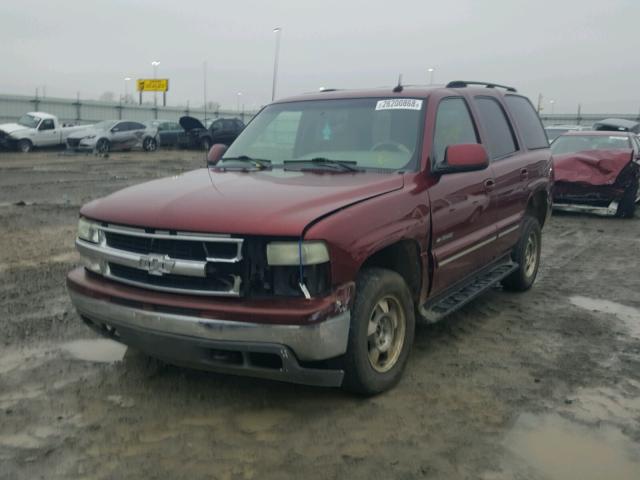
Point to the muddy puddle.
(555, 448)
(629, 316)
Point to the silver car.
(111, 135)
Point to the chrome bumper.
(319, 341)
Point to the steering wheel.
(390, 146)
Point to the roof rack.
(466, 83)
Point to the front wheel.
(150, 144)
(381, 332)
(627, 205)
(25, 146)
(103, 146)
(526, 254)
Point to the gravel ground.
(540, 385)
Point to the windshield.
(578, 143)
(373, 133)
(29, 121)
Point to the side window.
(454, 126)
(135, 126)
(216, 126)
(46, 125)
(527, 121)
(500, 139)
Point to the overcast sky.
(571, 51)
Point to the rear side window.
(500, 141)
(454, 126)
(527, 121)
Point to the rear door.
(119, 134)
(510, 164)
(136, 132)
(462, 231)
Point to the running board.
(450, 301)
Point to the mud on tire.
(526, 254)
(379, 341)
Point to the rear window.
(578, 143)
(500, 141)
(528, 122)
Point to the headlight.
(88, 231)
(288, 253)
(89, 137)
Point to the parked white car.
(35, 129)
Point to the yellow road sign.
(153, 84)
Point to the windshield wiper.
(260, 163)
(346, 165)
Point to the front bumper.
(262, 350)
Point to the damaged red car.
(597, 172)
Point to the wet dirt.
(541, 385)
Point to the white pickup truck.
(35, 129)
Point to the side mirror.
(215, 153)
(467, 157)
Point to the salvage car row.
(40, 129)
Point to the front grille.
(218, 283)
(73, 142)
(192, 263)
(184, 249)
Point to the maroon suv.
(307, 250)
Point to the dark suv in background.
(222, 130)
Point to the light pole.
(277, 31)
(552, 103)
(155, 64)
(431, 70)
(126, 88)
(238, 102)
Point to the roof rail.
(466, 83)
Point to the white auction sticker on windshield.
(399, 104)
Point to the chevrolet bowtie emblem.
(157, 264)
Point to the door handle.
(524, 173)
(489, 184)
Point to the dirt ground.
(540, 385)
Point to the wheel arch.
(402, 257)
(538, 205)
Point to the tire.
(25, 145)
(205, 144)
(150, 144)
(103, 146)
(368, 369)
(526, 254)
(627, 205)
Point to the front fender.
(359, 231)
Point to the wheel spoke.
(384, 305)
(374, 355)
(372, 327)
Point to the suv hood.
(270, 203)
(190, 123)
(10, 128)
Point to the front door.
(47, 133)
(463, 229)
